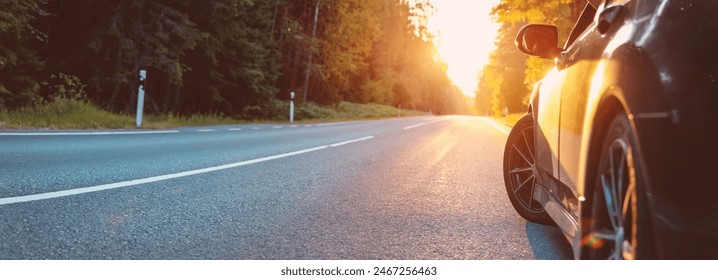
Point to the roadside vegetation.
(66, 113)
(509, 120)
(75, 63)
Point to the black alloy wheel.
(618, 225)
(520, 172)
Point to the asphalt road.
(409, 188)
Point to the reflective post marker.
(291, 107)
(141, 98)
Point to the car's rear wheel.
(618, 222)
(520, 172)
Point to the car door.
(548, 114)
(580, 61)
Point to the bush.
(63, 86)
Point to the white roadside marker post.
(141, 98)
(291, 107)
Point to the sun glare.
(464, 35)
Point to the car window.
(589, 11)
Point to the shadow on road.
(547, 242)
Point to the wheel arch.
(615, 88)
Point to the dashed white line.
(235, 129)
(276, 127)
(350, 141)
(415, 126)
(422, 124)
(57, 194)
(334, 123)
(255, 128)
(205, 130)
(86, 133)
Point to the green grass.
(171, 121)
(63, 114)
(349, 111)
(72, 114)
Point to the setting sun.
(464, 35)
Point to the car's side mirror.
(539, 40)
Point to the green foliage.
(63, 113)
(19, 63)
(237, 65)
(377, 91)
(501, 86)
(349, 30)
(64, 86)
(107, 42)
(165, 121)
(350, 111)
(506, 82)
(368, 51)
(234, 58)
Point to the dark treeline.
(235, 57)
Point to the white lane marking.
(85, 133)
(423, 124)
(279, 126)
(255, 128)
(415, 126)
(309, 125)
(334, 123)
(205, 130)
(235, 129)
(293, 126)
(57, 194)
(500, 127)
(350, 141)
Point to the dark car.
(619, 148)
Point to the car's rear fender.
(624, 80)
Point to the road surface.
(408, 188)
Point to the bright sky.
(465, 36)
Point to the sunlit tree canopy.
(235, 57)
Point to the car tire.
(520, 172)
(618, 223)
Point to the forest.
(238, 58)
(506, 82)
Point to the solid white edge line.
(500, 127)
(57, 194)
(350, 141)
(85, 133)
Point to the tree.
(19, 62)
(237, 65)
(349, 29)
(510, 76)
(106, 43)
(232, 57)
